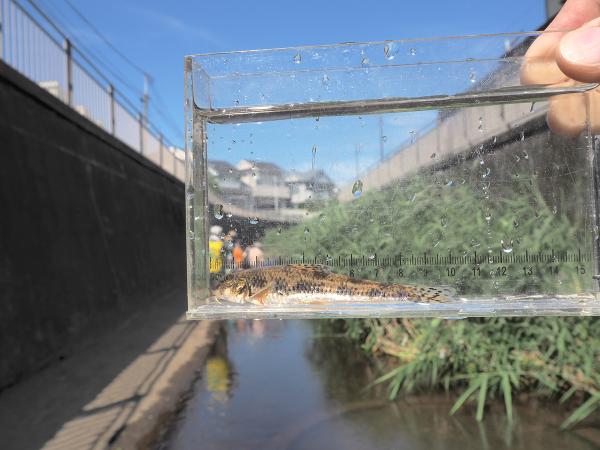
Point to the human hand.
(567, 58)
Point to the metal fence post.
(111, 93)
(141, 125)
(160, 149)
(69, 56)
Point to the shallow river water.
(286, 385)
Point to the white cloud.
(174, 24)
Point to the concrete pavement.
(116, 390)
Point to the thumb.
(578, 54)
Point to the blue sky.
(157, 34)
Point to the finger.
(540, 66)
(574, 14)
(578, 54)
(567, 114)
(570, 114)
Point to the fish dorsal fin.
(313, 270)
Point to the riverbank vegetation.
(467, 212)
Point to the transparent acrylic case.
(446, 177)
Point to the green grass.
(486, 359)
(480, 359)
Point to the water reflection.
(296, 385)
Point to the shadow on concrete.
(84, 401)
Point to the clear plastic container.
(447, 177)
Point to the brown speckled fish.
(307, 283)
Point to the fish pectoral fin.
(262, 294)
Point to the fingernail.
(582, 46)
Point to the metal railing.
(35, 46)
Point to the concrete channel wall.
(89, 229)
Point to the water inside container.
(455, 204)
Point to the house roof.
(319, 176)
(223, 167)
(261, 166)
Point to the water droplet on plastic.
(218, 211)
(516, 223)
(297, 58)
(480, 126)
(229, 215)
(488, 217)
(253, 220)
(525, 155)
(230, 170)
(507, 247)
(475, 243)
(472, 77)
(314, 156)
(306, 230)
(357, 188)
(278, 231)
(522, 135)
(412, 199)
(412, 51)
(554, 209)
(325, 79)
(371, 257)
(433, 155)
(192, 235)
(486, 173)
(365, 61)
(444, 222)
(383, 138)
(389, 50)
(413, 134)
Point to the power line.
(105, 39)
(148, 79)
(174, 124)
(88, 55)
(85, 51)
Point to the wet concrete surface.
(286, 385)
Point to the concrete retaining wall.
(89, 229)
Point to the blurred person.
(254, 255)
(215, 247)
(566, 58)
(227, 249)
(238, 255)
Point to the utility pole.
(146, 99)
(381, 139)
